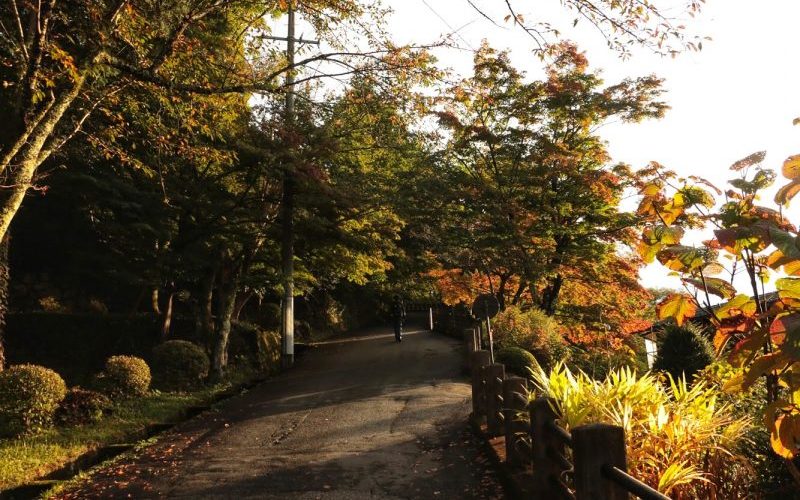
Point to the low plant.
(81, 406)
(680, 440)
(531, 330)
(29, 396)
(124, 376)
(179, 365)
(683, 351)
(517, 360)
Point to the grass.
(25, 459)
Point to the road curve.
(359, 417)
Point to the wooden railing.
(587, 464)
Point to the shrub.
(179, 365)
(516, 360)
(683, 351)
(81, 406)
(29, 396)
(532, 331)
(124, 376)
(680, 440)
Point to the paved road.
(359, 417)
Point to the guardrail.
(588, 463)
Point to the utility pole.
(287, 205)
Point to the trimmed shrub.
(531, 330)
(683, 351)
(81, 406)
(179, 365)
(124, 376)
(29, 396)
(516, 360)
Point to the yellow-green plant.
(680, 439)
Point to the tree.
(530, 200)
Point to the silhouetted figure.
(398, 315)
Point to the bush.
(260, 348)
(179, 365)
(124, 376)
(29, 396)
(683, 351)
(81, 406)
(532, 331)
(516, 360)
(680, 440)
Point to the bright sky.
(737, 96)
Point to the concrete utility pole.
(287, 206)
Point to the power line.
(452, 30)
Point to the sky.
(737, 96)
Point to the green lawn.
(25, 459)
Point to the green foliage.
(29, 397)
(682, 441)
(531, 330)
(516, 360)
(683, 351)
(124, 376)
(179, 365)
(81, 406)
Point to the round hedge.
(179, 365)
(516, 360)
(81, 406)
(29, 396)
(125, 376)
(683, 351)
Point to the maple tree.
(525, 191)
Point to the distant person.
(398, 316)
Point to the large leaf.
(787, 192)
(714, 286)
(655, 237)
(685, 258)
(785, 334)
(741, 305)
(677, 306)
(763, 365)
(749, 161)
(754, 237)
(791, 167)
(785, 438)
(788, 288)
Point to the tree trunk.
(4, 280)
(204, 318)
(166, 318)
(550, 295)
(32, 154)
(241, 300)
(225, 302)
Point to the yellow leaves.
(790, 170)
(654, 238)
(784, 433)
(788, 288)
(714, 286)
(791, 167)
(676, 306)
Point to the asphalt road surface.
(358, 417)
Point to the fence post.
(545, 446)
(515, 397)
(494, 374)
(594, 447)
(468, 335)
(479, 361)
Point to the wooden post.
(494, 374)
(546, 445)
(468, 335)
(594, 447)
(480, 360)
(515, 397)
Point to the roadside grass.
(25, 459)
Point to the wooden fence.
(587, 464)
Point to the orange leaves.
(784, 427)
(676, 306)
(714, 286)
(791, 168)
